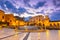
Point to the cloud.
(56, 3)
(39, 4)
(42, 11)
(27, 15)
(26, 2)
(15, 14)
(9, 5)
(13, 9)
(21, 10)
(55, 15)
(2, 4)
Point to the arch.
(57, 24)
(39, 24)
(43, 25)
(51, 25)
(10, 20)
(3, 17)
(54, 24)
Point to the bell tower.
(47, 18)
(46, 21)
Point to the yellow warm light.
(59, 34)
(38, 35)
(47, 34)
(3, 20)
(13, 23)
(0, 27)
(16, 36)
(22, 23)
(36, 19)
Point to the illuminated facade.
(36, 20)
(22, 23)
(43, 22)
(2, 16)
(11, 20)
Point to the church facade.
(43, 22)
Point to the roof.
(2, 11)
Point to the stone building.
(55, 24)
(2, 16)
(44, 21)
(40, 20)
(10, 19)
(20, 21)
(36, 20)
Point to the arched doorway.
(50, 25)
(55, 25)
(39, 24)
(58, 25)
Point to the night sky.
(29, 8)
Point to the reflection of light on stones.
(59, 34)
(47, 34)
(39, 36)
(0, 27)
(16, 29)
(26, 28)
(16, 36)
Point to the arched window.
(39, 24)
(50, 24)
(39, 20)
(54, 24)
(57, 24)
(43, 25)
(34, 23)
(3, 17)
(10, 20)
